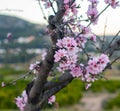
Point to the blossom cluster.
(67, 54)
(69, 47)
(21, 101)
(97, 64)
(67, 57)
(90, 72)
(70, 11)
(92, 12)
(113, 3)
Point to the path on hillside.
(92, 101)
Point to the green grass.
(8, 110)
(73, 109)
(60, 109)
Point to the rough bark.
(35, 92)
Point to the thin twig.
(112, 40)
(96, 47)
(103, 41)
(21, 77)
(52, 7)
(14, 81)
(88, 57)
(70, 29)
(115, 60)
(44, 16)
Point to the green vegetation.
(67, 96)
(113, 103)
(71, 94)
(4, 71)
(73, 109)
(7, 94)
(110, 86)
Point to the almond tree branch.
(58, 81)
(53, 91)
(35, 93)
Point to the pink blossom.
(85, 30)
(81, 41)
(67, 11)
(93, 66)
(70, 11)
(106, 1)
(3, 84)
(74, 10)
(76, 71)
(92, 14)
(35, 67)
(21, 101)
(24, 95)
(66, 1)
(43, 55)
(47, 4)
(60, 43)
(103, 61)
(96, 65)
(67, 55)
(93, 38)
(51, 100)
(88, 85)
(9, 36)
(69, 44)
(62, 67)
(32, 66)
(94, 2)
(68, 63)
(60, 54)
(71, 60)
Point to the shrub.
(7, 95)
(113, 103)
(108, 85)
(70, 94)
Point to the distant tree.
(69, 38)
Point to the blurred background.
(23, 39)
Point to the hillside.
(18, 27)
(27, 40)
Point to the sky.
(30, 10)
